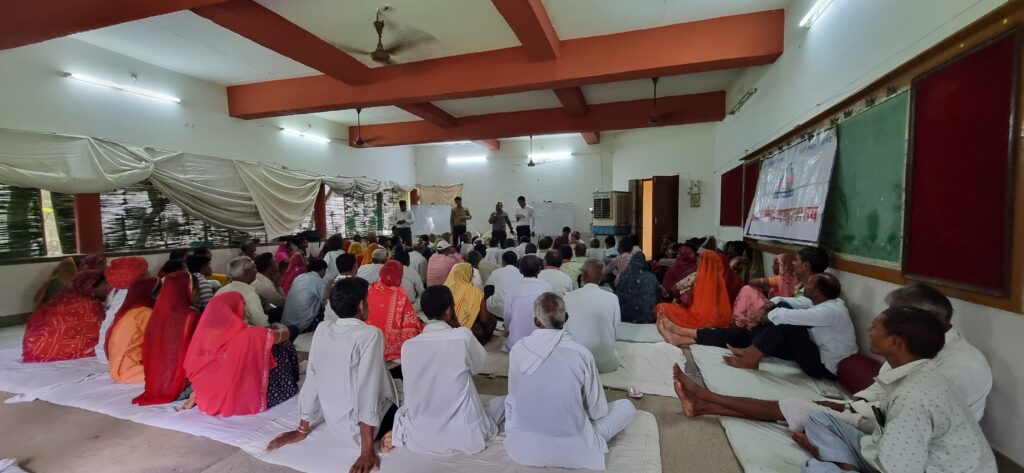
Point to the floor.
(50, 438)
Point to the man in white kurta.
(371, 272)
(442, 413)
(560, 282)
(595, 317)
(556, 411)
(519, 301)
(347, 384)
(502, 279)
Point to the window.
(335, 206)
(35, 223)
(370, 212)
(139, 217)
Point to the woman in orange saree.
(708, 303)
(124, 342)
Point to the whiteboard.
(550, 217)
(434, 219)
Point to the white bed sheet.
(639, 333)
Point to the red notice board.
(961, 167)
(731, 201)
(751, 171)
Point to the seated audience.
(595, 317)
(346, 263)
(562, 239)
(611, 249)
(124, 342)
(816, 338)
(544, 245)
(411, 282)
(357, 248)
(347, 384)
(809, 261)
(595, 251)
(168, 334)
(570, 266)
(502, 279)
(579, 256)
(120, 274)
(93, 263)
(442, 413)
(701, 299)
(470, 307)
(485, 267)
(559, 281)
(67, 326)
(199, 267)
(638, 290)
(64, 272)
(304, 305)
(519, 299)
(622, 258)
(371, 272)
(296, 267)
(334, 246)
(684, 265)
(752, 296)
(248, 248)
(733, 284)
(391, 311)
(174, 256)
(418, 262)
(267, 283)
(474, 259)
(524, 240)
(556, 411)
(494, 251)
(235, 368)
(927, 426)
(242, 272)
(441, 263)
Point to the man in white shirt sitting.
(595, 317)
(924, 425)
(503, 279)
(242, 272)
(442, 413)
(494, 251)
(816, 338)
(268, 285)
(371, 272)
(346, 264)
(556, 411)
(560, 282)
(519, 301)
(347, 384)
(411, 282)
(418, 263)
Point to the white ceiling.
(440, 27)
(188, 44)
(370, 116)
(500, 103)
(581, 18)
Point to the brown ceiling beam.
(274, 32)
(24, 22)
(573, 101)
(708, 45)
(431, 113)
(490, 145)
(529, 21)
(591, 137)
(673, 110)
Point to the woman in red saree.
(68, 326)
(685, 265)
(706, 306)
(296, 267)
(168, 334)
(127, 332)
(236, 369)
(391, 311)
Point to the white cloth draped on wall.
(236, 195)
(440, 195)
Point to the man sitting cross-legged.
(556, 413)
(962, 364)
(816, 338)
(442, 413)
(596, 317)
(347, 384)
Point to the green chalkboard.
(864, 211)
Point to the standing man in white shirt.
(347, 383)
(519, 301)
(556, 411)
(524, 219)
(560, 282)
(595, 317)
(404, 219)
(503, 279)
(442, 413)
(817, 338)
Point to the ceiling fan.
(655, 117)
(359, 141)
(407, 38)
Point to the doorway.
(656, 211)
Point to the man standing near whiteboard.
(524, 218)
(404, 219)
(460, 215)
(500, 224)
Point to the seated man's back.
(519, 308)
(594, 318)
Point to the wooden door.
(666, 210)
(636, 191)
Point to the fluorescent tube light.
(318, 139)
(559, 155)
(124, 88)
(816, 11)
(466, 159)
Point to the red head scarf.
(228, 362)
(140, 294)
(122, 272)
(391, 311)
(685, 265)
(712, 306)
(67, 327)
(296, 266)
(168, 334)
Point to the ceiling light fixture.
(555, 156)
(466, 159)
(302, 134)
(124, 88)
(815, 12)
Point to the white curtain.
(283, 197)
(443, 195)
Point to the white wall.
(853, 44)
(505, 176)
(686, 150)
(35, 96)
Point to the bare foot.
(805, 443)
(688, 400)
(736, 351)
(386, 443)
(671, 336)
(688, 384)
(743, 359)
(190, 403)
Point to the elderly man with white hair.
(371, 272)
(556, 413)
(242, 271)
